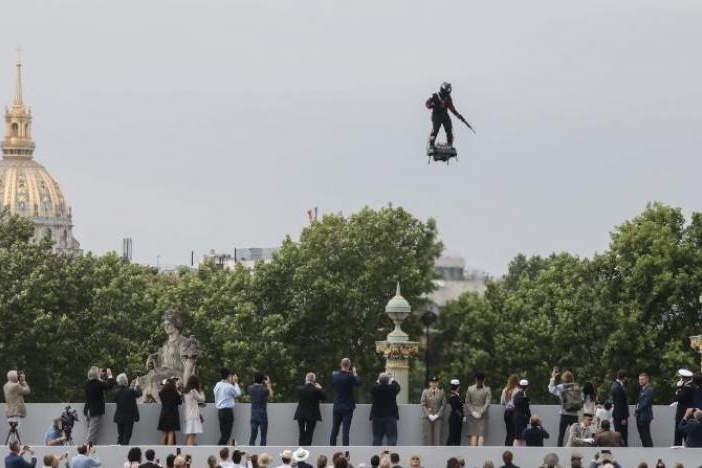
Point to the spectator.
(133, 457)
(126, 411)
(265, 460)
(300, 457)
(54, 461)
(253, 461)
(150, 456)
(589, 398)
(259, 392)
(571, 396)
(507, 458)
(53, 435)
(15, 390)
(488, 464)
(170, 460)
(508, 403)
(86, 458)
(308, 413)
(224, 460)
(179, 462)
(192, 399)
(343, 382)
(237, 456)
(522, 412)
(395, 460)
(603, 413)
(15, 459)
(169, 418)
(690, 427)
(433, 402)
(551, 461)
(456, 416)
(535, 434)
(620, 410)
(286, 457)
(478, 399)
(339, 462)
(384, 412)
(99, 381)
(212, 462)
(576, 460)
(453, 463)
(582, 434)
(225, 393)
(415, 462)
(605, 458)
(684, 396)
(607, 438)
(644, 410)
(322, 461)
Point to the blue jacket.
(13, 460)
(644, 408)
(693, 430)
(342, 384)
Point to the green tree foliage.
(631, 307)
(321, 298)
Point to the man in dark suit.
(150, 460)
(126, 412)
(307, 413)
(620, 410)
(99, 381)
(343, 382)
(384, 413)
(644, 410)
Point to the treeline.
(320, 299)
(323, 297)
(631, 307)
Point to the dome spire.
(18, 123)
(18, 83)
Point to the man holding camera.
(259, 392)
(86, 458)
(99, 381)
(15, 459)
(15, 389)
(571, 396)
(226, 392)
(691, 427)
(343, 382)
(384, 412)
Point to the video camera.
(67, 420)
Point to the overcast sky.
(215, 124)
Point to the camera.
(67, 420)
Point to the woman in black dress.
(457, 414)
(169, 420)
(522, 412)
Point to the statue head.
(174, 318)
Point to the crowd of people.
(87, 457)
(584, 420)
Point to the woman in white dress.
(193, 398)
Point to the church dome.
(27, 189)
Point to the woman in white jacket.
(192, 399)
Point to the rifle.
(460, 117)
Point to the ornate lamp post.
(397, 349)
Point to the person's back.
(343, 382)
(507, 458)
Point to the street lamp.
(428, 318)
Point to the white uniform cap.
(455, 382)
(684, 373)
(524, 383)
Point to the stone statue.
(176, 358)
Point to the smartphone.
(178, 451)
(556, 369)
(346, 454)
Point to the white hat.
(455, 382)
(300, 455)
(287, 454)
(684, 373)
(524, 383)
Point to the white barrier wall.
(283, 430)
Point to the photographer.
(126, 412)
(98, 382)
(15, 389)
(691, 427)
(259, 392)
(86, 458)
(15, 459)
(54, 434)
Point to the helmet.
(446, 87)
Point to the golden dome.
(26, 188)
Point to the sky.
(215, 124)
